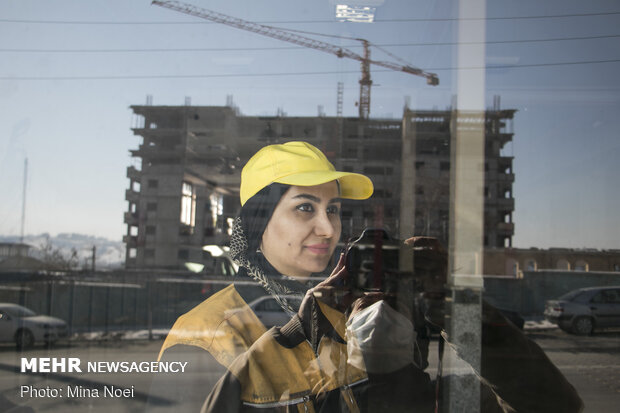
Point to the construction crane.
(275, 33)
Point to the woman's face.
(304, 229)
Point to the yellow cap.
(301, 164)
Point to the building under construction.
(425, 174)
(183, 186)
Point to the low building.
(12, 249)
(16, 256)
(514, 261)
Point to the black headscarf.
(255, 215)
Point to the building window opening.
(217, 208)
(378, 170)
(138, 121)
(581, 266)
(531, 265)
(133, 230)
(230, 222)
(133, 252)
(512, 267)
(188, 205)
(562, 264)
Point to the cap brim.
(352, 185)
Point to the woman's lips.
(318, 248)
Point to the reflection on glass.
(488, 129)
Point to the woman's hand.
(331, 291)
(334, 292)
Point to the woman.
(322, 361)
(287, 230)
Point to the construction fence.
(124, 300)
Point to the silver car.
(24, 327)
(269, 311)
(581, 311)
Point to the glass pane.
(488, 131)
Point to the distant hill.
(109, 254)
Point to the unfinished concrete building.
(183, 191)
(426, 175)
(184, 186)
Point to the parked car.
(24, 327)
(584, 310)
(269, 311)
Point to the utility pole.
(21, 234)
(93, 258)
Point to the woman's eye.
(334, 209)
(305, 208)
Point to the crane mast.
(275, 33)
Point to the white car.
(24, 327)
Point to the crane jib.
(287, 36)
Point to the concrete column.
(463, 312)
(407, 189)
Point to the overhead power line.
(237, 49)
(439, 19)
(238, 75)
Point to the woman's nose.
(323, 226)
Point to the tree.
(55, 259)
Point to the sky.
(69, 70)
